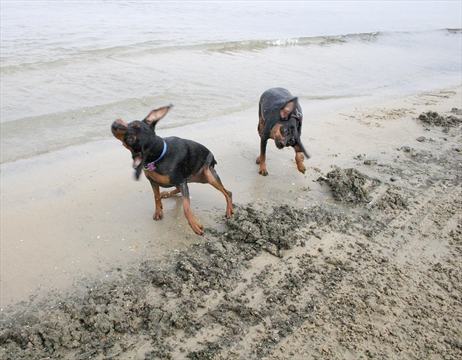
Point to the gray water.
(68, 69)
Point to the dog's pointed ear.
(287, 109)
(157, 114)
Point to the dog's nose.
(116, 127)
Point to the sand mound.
(350, 185)
(435, 119)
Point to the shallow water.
(70, 68)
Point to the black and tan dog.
(169, 162)
(280, 119)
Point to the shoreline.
(78, 213)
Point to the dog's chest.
(159, 179)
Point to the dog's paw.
(158, 215)
(263, 172)
(229, 212)
(299, 160)
(197, 227)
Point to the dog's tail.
(299, 146)
(210, 161)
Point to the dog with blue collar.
(169, 162)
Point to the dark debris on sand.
(350, 185)
(435, 119)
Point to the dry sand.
(357, 258)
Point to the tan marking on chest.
(157, 178)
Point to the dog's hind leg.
(213, 179)
(195, 225)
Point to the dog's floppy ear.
(157, 114)
(138, 170)
(144, 153)
(287, 109)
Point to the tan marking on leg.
(195, 225)
(159, 214)
(299, 160)
(262, 161)
(219, 186)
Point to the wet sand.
(305, 269)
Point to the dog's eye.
(131, 139)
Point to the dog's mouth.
(280, 145)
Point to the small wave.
(258, 45)
(158, 47)
(262, 44)
(284, 42)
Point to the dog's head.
(286, 131)
(139, 136)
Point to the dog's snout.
(116, 125)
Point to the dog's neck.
(156, 150)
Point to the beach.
(305, 269)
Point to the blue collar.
(152, 165)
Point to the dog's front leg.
(262, 158)
(299, 157)
(195, 225)
(159, 214)
(299, 160)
